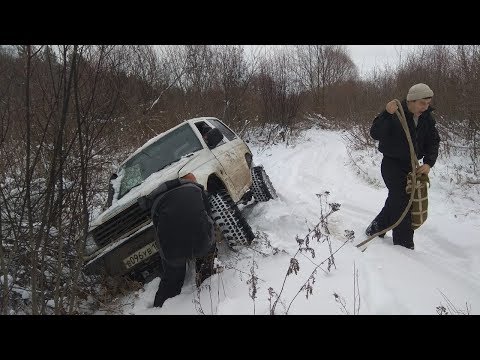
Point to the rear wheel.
(230, 220)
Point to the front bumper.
(110, 259)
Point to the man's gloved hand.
(424, 169)
(391, 107)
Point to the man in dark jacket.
(396, 162)
(184, 230)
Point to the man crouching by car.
(184, 230)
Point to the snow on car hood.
(150, 184)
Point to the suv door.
(231, 154)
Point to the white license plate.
(140, 255)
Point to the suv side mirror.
(213, 138)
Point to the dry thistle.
(294, 266)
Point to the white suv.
(121, 239)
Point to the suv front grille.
(121, 225)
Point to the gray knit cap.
(419, 91)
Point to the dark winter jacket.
(182, 218)
(393, 142)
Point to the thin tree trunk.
(5, 292)
(84, 192)
(33, 252)
(57, 151)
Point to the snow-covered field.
(443, 270)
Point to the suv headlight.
(90, 245)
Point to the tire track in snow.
(320, 165)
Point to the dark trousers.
(171, 280)
(173, 275)
(394, 175)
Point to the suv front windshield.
(165, 151)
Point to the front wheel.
(262, 187)
(230, 220)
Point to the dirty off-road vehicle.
(121, 239)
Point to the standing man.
(396, 163)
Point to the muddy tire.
(233, 226)
(262, 187)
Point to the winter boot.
(204, 267)
(372, 229)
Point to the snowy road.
(391, 279)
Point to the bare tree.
(70, 96)
(168, 74)
(321, 66)
(236, 73)
(278, 90)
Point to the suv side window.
(225, 131)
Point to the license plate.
(140, 255)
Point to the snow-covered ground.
(443, 268)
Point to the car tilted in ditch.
(121, 240)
